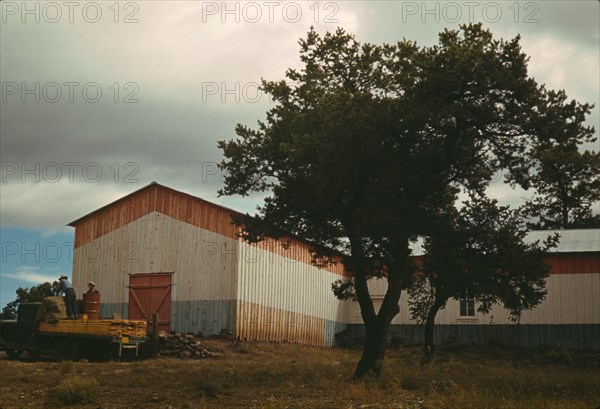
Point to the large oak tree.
(368, 145)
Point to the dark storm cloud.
(173, 60)
(173, 142)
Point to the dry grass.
(75, 390)
(291, 376)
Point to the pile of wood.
(113, 328)
(127, 328)
(184, 346)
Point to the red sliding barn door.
(149, 294)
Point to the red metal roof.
(180, 206)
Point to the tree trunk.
(428, 346)
(565, 217)
(373, 350)
(377, 325)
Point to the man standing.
(64, 286)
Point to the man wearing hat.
(92, 288)
(64, 286)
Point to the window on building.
(467, 307)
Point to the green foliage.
(481, 253)
(366, 143)
(567, 185)
(367, 147)
(343, 289)
(76, 390)
(31, 294)
(566, 178)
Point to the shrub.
(564, 357)
(76, 390)
(397, 341)
(66, 367)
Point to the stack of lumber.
(100, 328)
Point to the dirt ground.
(264, 375)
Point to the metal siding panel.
(574, 263)
(572, 240)
(286, 299)
(571, 299)
(209, 317)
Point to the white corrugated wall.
(284, 299)
(571, 299)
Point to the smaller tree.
(479, 252)
(31, 294)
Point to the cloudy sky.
(102, 98)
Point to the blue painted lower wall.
(202, 316)
(574, 336)
(216, 316)
(113, 310)
(206, 317)
(331, 331)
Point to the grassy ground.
(291, 376)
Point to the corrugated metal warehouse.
(158, 250)
(570, 314)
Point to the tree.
(565, 178)
(367, 147)
(479, 253)
(31, 294)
